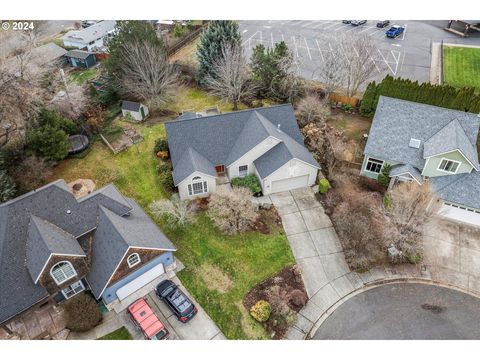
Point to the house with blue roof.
(428, 143)
(265, 142)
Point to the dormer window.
(133, 260)
(448, 165)
(62, 272)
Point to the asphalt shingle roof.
(78, 54)
(404, 169)
(57, 215)
(44, 240)
(114, 236)
(222, 139)
(397, 121)
(461, 189)
(91, 33)
(278, 156)
(190, 162)
(130, 105)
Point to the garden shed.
(81, 58)
(136, 110)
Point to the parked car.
(382, 23)
(176, 300)
(395, 31)
(358, 22)
(346, 21)
(146, 320)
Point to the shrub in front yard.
(166, 180)
(261, 311)
(251, 182)
(384, 176)
(323, 186)
(164, 166)
(82, 313)
(160, 145)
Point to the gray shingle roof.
(78, 54)
(130, 105)
(190, 162)
(91, 33)
(188, 116)
(222, 139)
(397, 121)
(114, 236)
(461, 189)
(55, 204)
(272, 160)
(451, 137)
(47, 53)
(406, 169)
(44, 240)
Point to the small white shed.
(137, 111)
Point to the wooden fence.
(187, 39)
(335, 97)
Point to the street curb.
(377, 283)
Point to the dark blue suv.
(176, 300)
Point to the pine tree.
(218, 34)
(366, 106)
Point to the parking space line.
(295, 44)
(319, 50)
(308, 49)
(271, 37)
(371, 27)
(386, 62)
(330, 25)
(404, 32)
(353, 28)
(341, 27)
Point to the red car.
(146, 320)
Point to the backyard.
(219, 269)
(462, 66)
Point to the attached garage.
(140, 281)
(289, 184)
(460, 213)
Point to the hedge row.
(463, 99)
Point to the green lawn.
(119, 334)
(219, 270)
(462, 66)
(82, 76)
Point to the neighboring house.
(94, 37)
(49, 54)
(53, 246)
(137, 111)
(81, 58)
(428, 142)
(265, 142)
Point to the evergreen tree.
(384, 176)
(7, 187)
(218, 34)
(366, 106)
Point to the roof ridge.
(428, 105)
(55, 227)
(46, 186)
(108, 214)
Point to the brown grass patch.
(215, 278)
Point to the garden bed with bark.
(286, 294)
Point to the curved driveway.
(394, 311)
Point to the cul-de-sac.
(258, 180)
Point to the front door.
(220, 169)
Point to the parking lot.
(408, 56)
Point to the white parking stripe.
(404, 32)
(331, 25)
(308, 49)
(271, 36)
(386, 62)
(371, 27)
(319, 50)
(341, 27)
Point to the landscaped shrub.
(261, 311)
(82, 313)
(166, 180)
(323, 186)
(162, 167)
(251, 182)
(297, 298)
(160, 145)
(384, 176)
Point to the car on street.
(146, 320)
(358, 22)
(176, 300)
(383, 23)
(394, 31)
(346, 21)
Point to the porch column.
(391, 183)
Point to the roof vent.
(69, 212)
(414, 143)
(278, 127)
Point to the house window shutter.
(189, 189)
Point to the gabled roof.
(47, 53)
(91, 33)
(273, 159)
(114, 236)
(130, 105)
(191, 162)
(397, 121)
(78, 54)
(44, 240)
(451, 137)
(223, 139)
(462, 189)
(398, 170)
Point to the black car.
(382, 23)
(358, 22)
(176, 300)
(346, 21)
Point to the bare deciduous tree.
(312, 109)
(331, 72)
(146, 73)
(175, 211)
(232, 211)
(230, 77)
(34, 34)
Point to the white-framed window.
(447, 165)
(62, 271)
(243, 170)
(374, 165)
(198, 186)
(73, 289)
(133, 260)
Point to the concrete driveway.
(452, 253)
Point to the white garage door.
(461, 214)
(289, 184)
(140, 281)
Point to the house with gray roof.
(53, 246)
(428, 143)
(265, 142)
(92, 38)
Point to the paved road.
(407, 56)
(394, 312)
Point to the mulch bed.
(267, 218)
(286, 294)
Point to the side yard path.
(319, 254)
